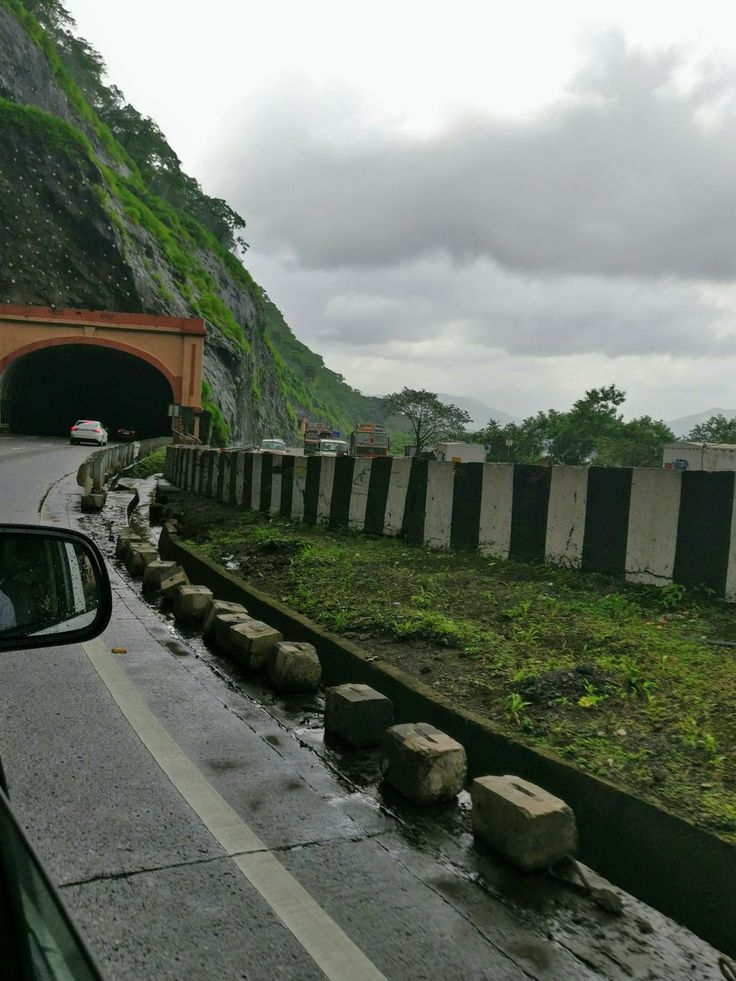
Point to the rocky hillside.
(95, 212)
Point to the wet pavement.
(159, 897)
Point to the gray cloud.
(628, 176)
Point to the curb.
(664, 860)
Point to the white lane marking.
(329, 947)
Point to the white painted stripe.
(214, 475)
(297, 493)
(255, 489)
(331, 949)
(324, 494)
(653, 516)
(438, 506)
(496, 504)
(278, 463)
(568, 496)
(396, 498)
(730, 592)
(359, 493)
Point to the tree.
(429, 419)
(638, 444)
(717, 429)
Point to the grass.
(149, 465)
(619, 679)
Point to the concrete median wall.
(649, 526)
(103, 463)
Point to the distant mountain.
(479, 412)
(682, 426)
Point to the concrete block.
(191, 602)
(424, 764)
(294, 667)
(140, 554)
(94, 501)
(125, 537)
(250, 642)
(174, 579)
(214, 609)
(527, 825)
(358, 714)
(154, 574)
(172, 526)
(223, 622)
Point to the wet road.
(200, 827)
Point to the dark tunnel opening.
(46, 391)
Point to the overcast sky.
(510, 202)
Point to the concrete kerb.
(626, 839)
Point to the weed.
(516, 708)
(671, 596)
(592, 697)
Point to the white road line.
(329, 947)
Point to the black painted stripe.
(247, 482)
(266, 481)
(195, 456)
(287, 486)
(342, 489)
(529, 512)
(466, 498)
(378, 485)
(232, 492)
(704, 529)
(311, 489)
(223, 464)
(607, 506)
(412, 525)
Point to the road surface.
(199, 827)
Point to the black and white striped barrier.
(651, 526)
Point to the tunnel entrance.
(46, 391)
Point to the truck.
(687, 455)
(457, 452)
(369, 439)
(312, 437)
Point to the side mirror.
(54, 587)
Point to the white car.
(272, 446)
(333, 447)
(88, 431)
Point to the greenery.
(428, 418)
(620, 679)
(717, 429)
(149, 465)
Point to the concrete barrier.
(652, 526)
(423, 763)
(294, 667)
(358, 714)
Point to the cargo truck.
(369, 439)
(312, 437)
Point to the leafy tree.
(638, 444)
(429, 419)
(717, 429)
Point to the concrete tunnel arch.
(47, 385)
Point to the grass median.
(635, 684)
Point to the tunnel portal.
(46, 391)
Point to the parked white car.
(88, 431)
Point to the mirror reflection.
(47, 585)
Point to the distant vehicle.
(272, 446)
(369, 439)
(312, 438)
(88, 431)
(124, 434)
(333, 447)
(458, 452)
(688, 455)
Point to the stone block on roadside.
(191, 602)
(216, 607)
(250, 643)
(223, 622)
(154, 574)
(139, 555)
(530, 827)
(423, 763)
(177, 577)
(294, 667)
(172, 526)
(358, 714)
(122, 543)
(94, 501)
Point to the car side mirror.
(54, 587)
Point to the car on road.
(88, 431)
(333, 447)
(272, 446)
(125, 434)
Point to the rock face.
(79, 228)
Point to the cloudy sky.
(510, 202)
